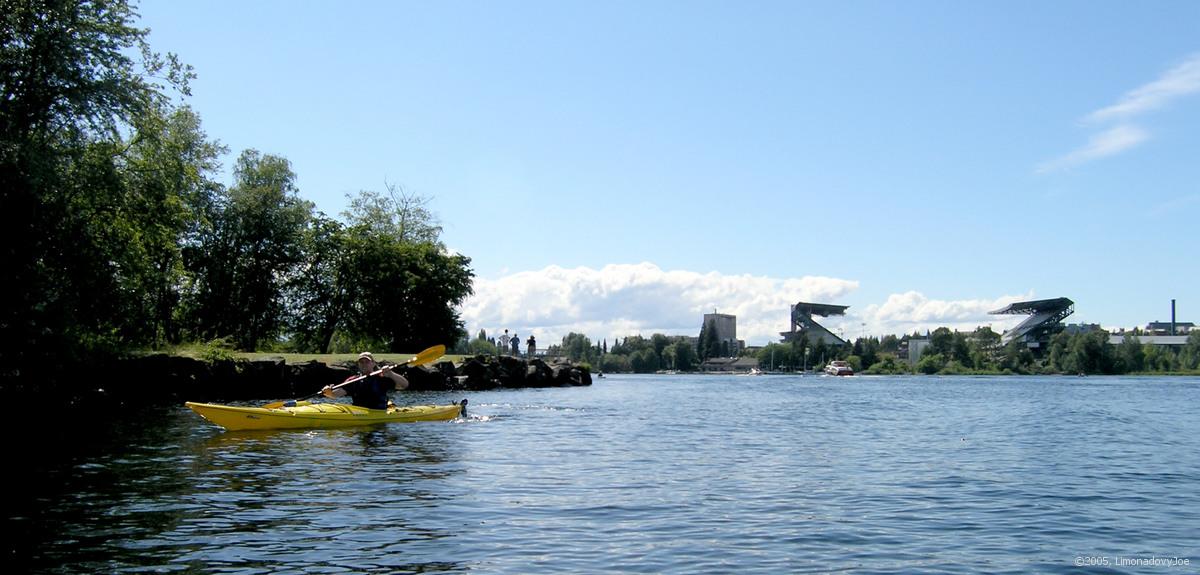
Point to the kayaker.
(371, 391)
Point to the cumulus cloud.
(619, 300)
(628, 299)
(912, 312)
(1177, 82)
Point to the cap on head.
(366, 355)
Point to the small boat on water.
(306, 415)
(839, 367)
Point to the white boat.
(839, 368)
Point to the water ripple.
(643, 475)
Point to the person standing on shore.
(530, 347)
(516, 345)
(504, 343)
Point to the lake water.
(642, 474)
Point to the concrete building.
(726, 327)
(916, 347)
(729, 364)
(1172, 327)
(1165, 327)
(1045, 319)
(804, 326)
(1158, 340)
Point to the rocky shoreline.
(167, 378)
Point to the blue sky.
(622, 167)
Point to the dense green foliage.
(949, 352)
(118, 237)
(635, 354)
(1080, 353)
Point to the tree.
(941, 342)
(253, 246)
(889, 344)
(1189, 357)
(480, 346)
(659, 342)
(405, 294)
(613, 362)
(644, 361)
(1131, 355)
(69, 86)
(168, 171)
(1016, 357)
(930, 363)
(684, 355)
(776, 355)
(398, 213)
(1089, 353)
(577, 347)
(710, 343)
(319, 294)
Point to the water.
(642, 474)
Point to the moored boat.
(839, 367)
(306, 415)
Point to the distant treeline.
(118, 237)
(982, 352)
(949, 352)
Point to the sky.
(619, 168)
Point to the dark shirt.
(370, 392)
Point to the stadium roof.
(1034, 306)
(821, 309)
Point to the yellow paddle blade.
(428, 355)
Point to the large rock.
(159, 377)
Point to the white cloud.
(912, 311)
(1179, 81)
(631, 299)
(1107, 143)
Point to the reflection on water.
(635, 474)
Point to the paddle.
(420, 359)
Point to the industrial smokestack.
(1172, 317)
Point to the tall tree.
(398, 213)
(69, 86)
(319, 293)
(254, 246)
(712, 345)
(577, 347)
(169, 169)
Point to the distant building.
(729, 364)
(726, 327)
(1156, 340)
(1164, 328)
(1045, 319)
(804, 326)
(1078, 328)
(916, 346)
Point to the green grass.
(336, 358)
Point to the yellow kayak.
(305, 415)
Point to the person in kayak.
(371, 391)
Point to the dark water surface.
(641, 474)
